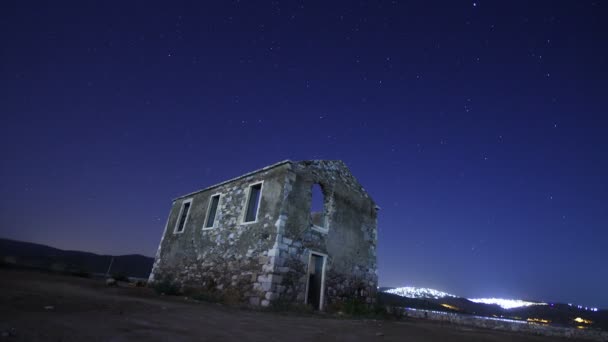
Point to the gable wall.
(350, 241)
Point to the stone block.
(264, 286)
(254, 301)
(271, 296)
(262, 260)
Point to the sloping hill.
(555, 313)
(32, 255)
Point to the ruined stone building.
(292, 232)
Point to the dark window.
(253, 202)
(182, 218)
(215, 200)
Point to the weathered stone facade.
(268, 259)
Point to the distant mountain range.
(33, 255)
(532, 311)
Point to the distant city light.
(582, 320)
(539, 320)
(452, 307)
(586, 308)
(505, 303)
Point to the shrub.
(231, 296)
(355, 307)
(166, 287)
(120, 277)
(140, 283)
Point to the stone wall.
(233, 256)
(349, 240)
(267, 261)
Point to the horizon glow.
(422, 292)
(505, 303)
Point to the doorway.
(315, 285)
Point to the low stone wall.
(507, 324)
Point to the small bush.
(166, 287)
(120, 277)
(140, 283)
(355, 307)
(231, 296)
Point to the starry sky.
(478, 127)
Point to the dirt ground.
(38, 306)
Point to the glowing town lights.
(586, 308)
(505, 303)
(451, 307)
(582, 320)
(418, 292)
(539, 320)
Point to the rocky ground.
(38, 306)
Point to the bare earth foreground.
(45, 307)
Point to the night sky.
(479, 128)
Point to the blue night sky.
(479, 128)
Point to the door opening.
(316, 281)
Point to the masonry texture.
(265, 258)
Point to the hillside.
(32, 255)
(554, 313)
